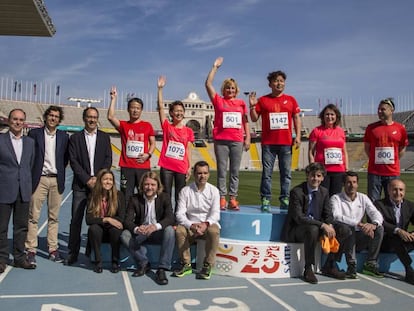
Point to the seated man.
(349, 208)
(309, 217)
(149, 218)
(398, 213)
(198, 215)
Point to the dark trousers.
(309, 236)
(20, 212)
(79, 203)
(394, 244)
(130, 178)
(99, 233)
(169, 177)
(333, 181)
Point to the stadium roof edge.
(25, 18)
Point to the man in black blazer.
(48, 181)
(16, 162)
(398, 213)
(89, 152)
(149, 218)
(309, 217)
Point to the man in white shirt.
(198, 215)
(349, 208)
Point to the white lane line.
(385, 285)
(130, 292)
(273, 297)
(58, 295)
(319, 283)
(4, 274)
(45, 223)
(192, 290)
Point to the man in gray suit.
(16, 162)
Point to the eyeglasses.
(388, 101)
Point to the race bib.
(384, 155)
(175, 150)
(134, 148)
(278, 120)
(333, 156)
(232, 120)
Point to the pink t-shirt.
(229, 118)
(174, 147)
(329, 148)
(135, 140)
(277, 114)
(385, 142)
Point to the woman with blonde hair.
(105, 215)
(231, 134)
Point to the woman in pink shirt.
(327, 145)
(175, 158)
(231, 134)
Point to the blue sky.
(352, 52)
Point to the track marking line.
(386, 286)
(192, 290)
(58, 295)
(319, 283)
(130, 292)
(272, 296)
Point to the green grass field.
(249, 193)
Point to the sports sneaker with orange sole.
(223, 203)
(234, 205)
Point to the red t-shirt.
(277, 113)
(174, 147)
(229, 118)
(135, 140)
(329, 148)
(384, 144)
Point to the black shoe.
(351, 272)
(141, 270)
(409, 277)
(333, 272)
(3, 267)
(25, 265)
(309, 276)
(115, 267)
(161, 277)
(98, 268)
(70, 260)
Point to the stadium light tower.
(84, 100)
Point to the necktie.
(397, 210)
(312, 205)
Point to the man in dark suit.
(16, 162)
(48, 181)
(149, 218)
(89, 152)
(309, 217)
(398, 213)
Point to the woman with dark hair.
(231, 134)
(327, 145)
(175, 157)
(105, 215)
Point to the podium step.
(251, 224)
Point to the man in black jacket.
(398, 213)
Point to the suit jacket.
(120, 212)
(79, 158)
(386, 208)
(15, 176)
(61, 155)
(135, 215)
(298, 209)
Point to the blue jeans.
(284, 155)
(375, 185)
(165, 237)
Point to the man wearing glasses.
(48, 181)
(385, 143)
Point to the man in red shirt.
(385, 143)
(280, 112)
